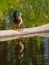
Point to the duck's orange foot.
(19, 29)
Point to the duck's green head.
(16, 13)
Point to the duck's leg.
(19, 28)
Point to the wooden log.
(6, 35)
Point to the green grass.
(35, 12)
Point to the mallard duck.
(17, 19)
